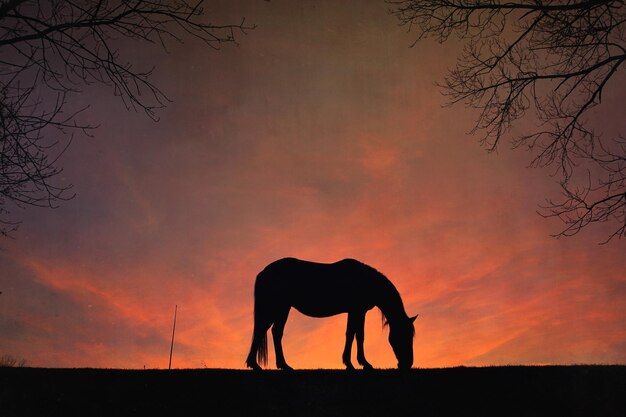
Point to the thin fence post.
(169, 366)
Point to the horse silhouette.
(323, 290)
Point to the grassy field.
(495, 391)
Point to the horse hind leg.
(277, 333)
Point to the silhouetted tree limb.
(49, 51)
(550, 62)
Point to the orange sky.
(322, 136)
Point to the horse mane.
(383, 318)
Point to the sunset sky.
(321, 136)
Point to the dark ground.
(498, 391)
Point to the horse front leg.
(360, 337)
(347, 350)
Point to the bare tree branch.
(545, 60)
(50, 50)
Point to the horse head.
(401, 334)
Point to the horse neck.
(390, 303)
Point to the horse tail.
(261, 353)
(260, 318)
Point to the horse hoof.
(285, 367)
(367, 367)
(254, 366)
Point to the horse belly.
(324, 304)
(319, 311)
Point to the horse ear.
(414, 317)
